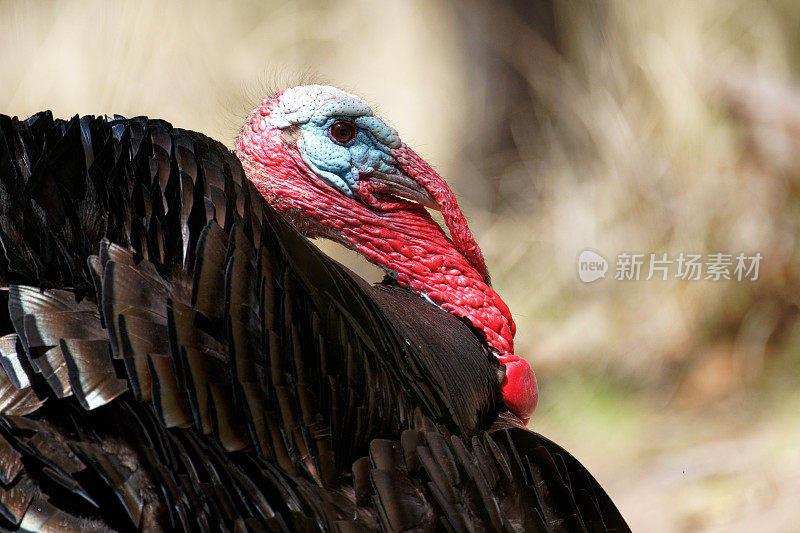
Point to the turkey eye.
(343, 132)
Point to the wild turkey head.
(320, 157)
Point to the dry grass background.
(627, 126)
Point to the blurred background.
(648, 126)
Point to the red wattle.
(520, 391)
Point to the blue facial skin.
(340, 164)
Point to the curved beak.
(400, 185)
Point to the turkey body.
(175, 356)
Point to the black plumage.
(175, 355)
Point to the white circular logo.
(591, 266)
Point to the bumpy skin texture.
(327, 189)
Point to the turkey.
(175, 353)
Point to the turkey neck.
(404, 240)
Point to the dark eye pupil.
(343, 132)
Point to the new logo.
(591, 266)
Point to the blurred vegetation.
(620, 126)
